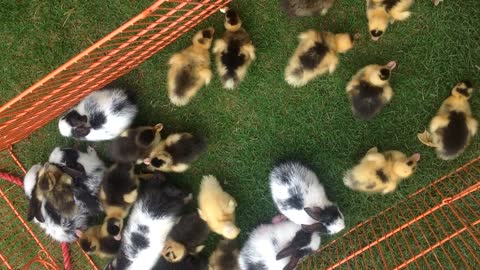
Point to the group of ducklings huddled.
(130, 213)
(127, 211)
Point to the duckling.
(217, 208)
(452, 129)
(55, 187)
(225, 256)
(306, 7)
(380, 172)
(382, 12)
(118, 191)
(135, 144)
(234, 52)
(97, 241)
(176, 153)
(190, 69)
(316, 55)
(186, 238)
(369, 90)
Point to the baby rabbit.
(97, 241)
(118, 192)
(316, 55)
(452, 129)
(277, 246)
(299, 196)
(101, 116)
(382, 12)
(234, 52)
(152, 217)
(369, 90)
(135, 144)
(306, 7)
(190, 69)
(186, 238)
(225, 256)
(380, 173)
(176, 153)
(86, 166)
(61, 228)
(217, 208)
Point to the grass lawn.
(265, 120)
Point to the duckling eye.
(157, 162)
(410, 163)
(384, 73)
(376, 33)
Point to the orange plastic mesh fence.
(437, 227)
(108, 59)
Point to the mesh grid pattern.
(437, 227)
(113, 56)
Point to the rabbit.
(102, 115)
(97, 241)
(300, 197)
(316, 54)
(234, 53)
(306, 7)
(59, 227)
(186, 238)
(190, 69)
(135, 144)
(277, 246)
(225, 256)
(382, 12)
(118, 192)
(153, 216)
(86, 170)
(452, 129)
(88, 163)
(436, 2)
(217, 208)
(176, 153)
(369, 90)
(381, 172)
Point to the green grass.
(265, 120)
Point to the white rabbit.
(277, 246)
(59, 227)
(153, 215)
(102, 115)
(88, 162)
(300, 197)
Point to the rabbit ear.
(288, 251)
(292, 263)
(317, 227)
(313, 212)
(34, 210)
